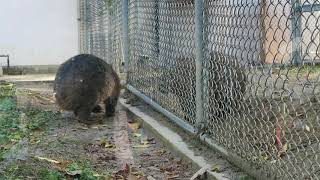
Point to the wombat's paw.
(109, 114)
(87, 122)
(126, 94)
(97, 109)
(133, 101)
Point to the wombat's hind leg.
(97, 109)
(110, 104)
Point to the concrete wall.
(38, 31)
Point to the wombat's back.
(79, 81)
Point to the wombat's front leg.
(97, 109)
(110, 105)
(83, 115)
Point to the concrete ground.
(29, 77)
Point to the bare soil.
(116, 148)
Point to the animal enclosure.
(243, 73)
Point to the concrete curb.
(173, 139)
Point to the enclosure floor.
(117, 146)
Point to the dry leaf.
(107, 144)
(283, 150)
(173, 177)
(141, 146)
(134, 126)
(47, 159)
(137, 135)
(35, 142)
(307, 128)
(216, 168)
(73, 173)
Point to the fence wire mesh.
(100, 31)
(260, 71)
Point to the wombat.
(226, 86)
(84, 81)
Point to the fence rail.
(243, 73)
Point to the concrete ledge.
(29, 78)
(174, 140)
(31, 69)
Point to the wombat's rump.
(82, 82)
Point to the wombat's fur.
(82, 82)
(226, 86)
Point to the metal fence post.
(199, 59)
(296, 32)
(125, 35)
(79, 25)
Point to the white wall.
(38, 32)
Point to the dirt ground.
(116, 148)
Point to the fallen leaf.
(107, 144)
(138, 174)
(264, 157)
(62, 166)
(35, 142)
(307, 128)
(141, 146)
(134, 126)
(144, 142)
(137, 135)
(283, 150)
(161, 152)
(173, 177)
(73, 173)
(216, 168)
(47, 159)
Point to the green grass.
(38, 120)
(46, 174)
(9, 125)
(16, 124)
(304, 69)
(21, 171)
(85, 170)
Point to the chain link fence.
(100, 30)
(259, 72)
